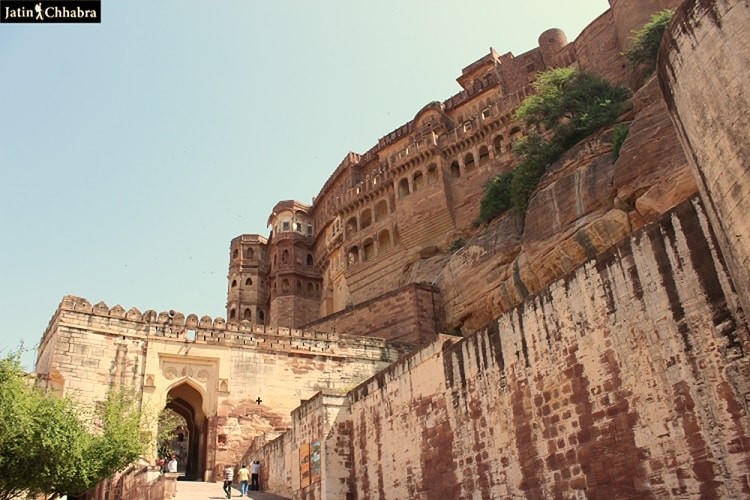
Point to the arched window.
(384, 241)
(248, 253)
(248, 282)
(497, 143)
(455, 170)
(235, 254)
(248, 314)
(261, 317)
(417, 181)
(403, 188)
(299, 287)
(369, 250)
(231, 314)
(469, 161)
(285, 256)
(353, 256)
(234, 283)
(351, 227)
(310, 290)
(285, 286)
(381, 210)
(484, 154)
(365, 218)
(309, 260)
(432, 175)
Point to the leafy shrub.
(51, 445)
(572, 104)
(618, 137)
(647, 39)
(568, 106)
(456, 245)
(497, 197)
(536, 154)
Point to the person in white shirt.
(255, 476)
(172, 464)
(228, 478)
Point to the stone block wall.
(278, 469)
(704, 69)
(223, 367)
(628, 378)
(408, 314)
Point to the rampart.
(704, 69)
(240, 380)
(408, 314)
(628, 378)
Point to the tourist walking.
(172, 464)
(255, 478)
(243, 475)
(228, 478)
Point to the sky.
(133, 151)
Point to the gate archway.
(187, 401)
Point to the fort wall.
(408, 314)
(703, 69)
(627, 378)
(244, 379)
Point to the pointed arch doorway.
(187, 402)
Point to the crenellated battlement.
(77, 312)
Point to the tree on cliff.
(568, 105)
(646, 41)
(49, 445)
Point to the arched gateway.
(230, 382)
(187, 401)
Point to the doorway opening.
(183, 429)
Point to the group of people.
(168, 464)
(249, 479)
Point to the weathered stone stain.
(530, 463)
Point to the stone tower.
(247, 294)
(294, 283)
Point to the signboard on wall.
(315, 461)
(304, 465)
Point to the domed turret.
(551, 42)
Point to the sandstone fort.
(379, 343)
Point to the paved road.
(195, 490)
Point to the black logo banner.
(50, 11)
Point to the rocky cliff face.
(586, 203)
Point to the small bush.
(456, 245)
(497, 197)
(568, 106)
(618, 137)
(646, 41)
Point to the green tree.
(568, 106)
(646, 41)
(49, 445)
(496, 199)
(571, 104)
(168, 420)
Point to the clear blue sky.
(133, 151)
